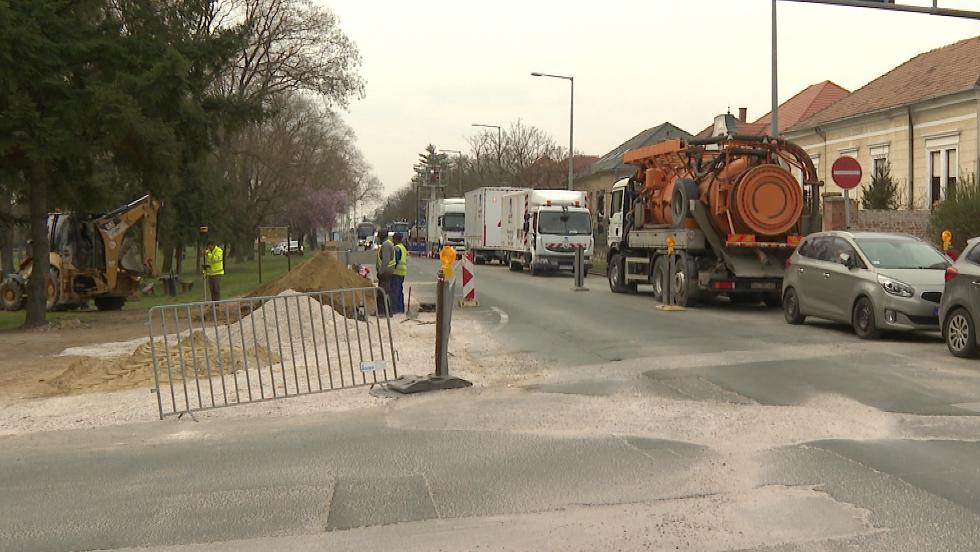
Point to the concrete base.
(420, 384)
(671, 308)
(465, 303)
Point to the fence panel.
(223, 353)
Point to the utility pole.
(500, 145)
(571, 125)
(459, 168)
(774, 118)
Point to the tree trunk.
(37, 285)
(6, 234)
(168, 259)
(180, 258)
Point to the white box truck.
(444, 225)
(482, 231)
(543, 228)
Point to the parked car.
(960, 307)
(873, 281)
(295, 248)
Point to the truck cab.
(616, 210)
(544, 228)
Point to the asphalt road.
(718, 428)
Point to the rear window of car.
(973, 255)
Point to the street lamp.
(459, 167)
(571, 123)
(500, 142)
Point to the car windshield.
(890, 252)
(453, 222)
(365, 231)
(564, 224)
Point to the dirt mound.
(201, 358)
(321, 273)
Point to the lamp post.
(500, 142)
(571, 124)
(459, 166)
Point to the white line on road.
(504, 318)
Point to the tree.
(95, 93)
(958, 213)
(883, 192)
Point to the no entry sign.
(846, 172)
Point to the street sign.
(846, 172)
(272, 234)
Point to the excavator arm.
(113, 227)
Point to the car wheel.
(863, 319)
(791, 308)
(960, 334)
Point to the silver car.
(960, 307)
(873, 281)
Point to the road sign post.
(846, 172)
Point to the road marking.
(504, 318)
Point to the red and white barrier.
(469, 282)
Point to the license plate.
(763, 285)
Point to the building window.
(879, 158)
(943, 156)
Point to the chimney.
(743, 114)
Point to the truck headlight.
(895, 287)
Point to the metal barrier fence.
(223, 353)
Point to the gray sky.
(434, 67)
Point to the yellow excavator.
(92, 259)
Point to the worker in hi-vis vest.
(214, 269)
(384, 268)
(398, 275)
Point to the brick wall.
(914, 222)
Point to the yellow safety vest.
(401, 267)
(214, 262)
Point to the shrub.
(883, 192)
(959, 212)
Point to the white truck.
(482, 232)
(444, 222)
(543, 228)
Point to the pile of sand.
(135, 370)
(321, 273)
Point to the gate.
(223, 353)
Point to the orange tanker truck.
(718, 216)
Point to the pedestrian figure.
(214, 269)
(384, 268)
(398, 275)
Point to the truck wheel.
(615, 274)
(12, 296)
(109, 303)
(773, 300)
(685, 283)
(659, 273)
(53, 289)
(680, 201)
